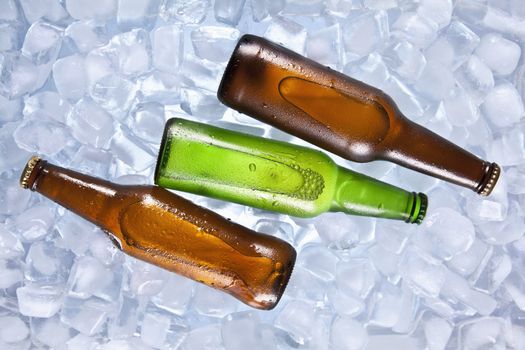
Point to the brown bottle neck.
(87, 196)
(418, 148)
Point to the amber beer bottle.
(157, 226)
(340, 114)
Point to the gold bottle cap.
(491, 181)
(28, 170)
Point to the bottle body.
(271, 175)
(157, 226)
(340, 114)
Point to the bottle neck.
(85, 195)
(418, 148)
(362, 195)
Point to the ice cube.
(199, 73)
(454, 46)
(499, 54)
(11, 273)
(13, 199)
(104, 250)
(146, 279)
(493, 208)
(324, 46)
(318, 260)
(436, 81)
(167, 44)
(10, 110)
(42, 43)
(417, 29)
(306, 286)
(472, 260)
(344, 304)
(385, 262)
(89, 277)
(87, 35)
(342, 236)
(10, 154)
(261, 9)
(47, 264)
(287, 33)
(387, 305)
(131, 151)
(83, 342)
(514, 284)
(185, 11)
(211, 302)
(214, 43)
(450, 232)
(160, 87)
(18, 75)
(124, 323)
(476, 77)
(8, 37)
(91, 9)
(439, 11)
(482, 333)
(203, 338)
(160, 330)
(48, 102)
(148, 121)
(297, 320)
(50, 332)
(348, 334)
(38, 134)
(39, 301)
(373, 71)
(503, 105)
(364, 34)
(393, 341)
(114, 94)
(137, 13)
(132, 52)
(90, 124)
(34, 223)
(228, 11)
(75, 233)
(86, 316)
(202, 104)
(405, 59)
(242, 330)
(176, 294)
(12, 329)
(50, 10)
(406, 98)
(356, 277)
(509, 148)
(10, 245)
(424, 275)
(437, 333)
(70, 77)
(8, 10)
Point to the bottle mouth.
(490, 179)
(28, 174)
(419, 208)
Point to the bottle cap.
(489, 181)
(28, 171)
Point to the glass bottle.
(340, 114)
(157, 226)
(273, 175)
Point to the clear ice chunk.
(8, 37)
(49, 332)
(499, 54)
(342, 236)
(356, 277)
(319, 261)
(51, 10)
(38, 134)
(185, 11)
(39, 301)
(13, 199)
(131, 151)
(213, 303)
(147, 121)
(90, 124)
(297, 320)
(424, 275)
(242, 330)
(324, 46)
(405, 59)
(214, 43)
(47, 264)
(87, 35)
(202, 104)
(10, 154)
(344, 304)
(482, 333)
(436, 81)
(91, 9)
(8, 10)
(18, 75)
(48, 102)
(161, 330)
(503, 105)
(228, 11)
(114, 94)
(364, 34)
(86, 316)
(439, 11)
(10, 245)
(167, 43)
(160, 87)
(42, 43)
(176, 295)
(70, 77)
(287, 33)
(348, 334)
(13, 330)
(34, 223)
(12, 273)
(137, 13)
(437, 333)
(417, 29)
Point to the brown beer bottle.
(157, 226)
(340, 114)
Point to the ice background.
(88, 84)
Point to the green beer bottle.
(273, 175)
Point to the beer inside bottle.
(340, 114)
(273, 175)
(157, 226)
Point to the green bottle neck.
(358, 194)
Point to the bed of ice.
(88, 84)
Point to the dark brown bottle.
(340, 114)
(157, 226)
